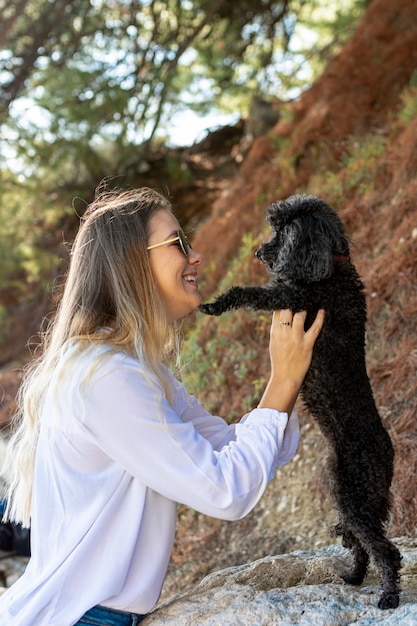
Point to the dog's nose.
(258, 253)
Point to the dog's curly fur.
(308, 257)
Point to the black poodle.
(309, 260)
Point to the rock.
(302, 587)
(11, 568)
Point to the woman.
(109, 441)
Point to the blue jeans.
(3, 504)
(13, 537)
(102, 616)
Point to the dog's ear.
(304, 254)
(314, 250)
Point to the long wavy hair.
(109, 297)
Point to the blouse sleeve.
(181, 451)
(216, 429)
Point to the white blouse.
(113, 459)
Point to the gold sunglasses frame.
(181, 237)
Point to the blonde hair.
(110, 297)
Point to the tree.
(103, 77)
(31, 30)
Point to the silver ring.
(285, 323)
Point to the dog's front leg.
(251, 297)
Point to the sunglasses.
(182, 239)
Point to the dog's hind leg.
(388, 560)
(360, 559)
(360, 555)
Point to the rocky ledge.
(302, 588)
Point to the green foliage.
(28, 259)
(77, 76)
(4, 323)
(355, 172)
(359, 165)
(409, 99)
(324, 28)
(177, 170)
(200, 366)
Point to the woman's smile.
(191, 278)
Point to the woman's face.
(175, 274)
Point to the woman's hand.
(291, 350)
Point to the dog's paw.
(210, 309)
(354, 578)
(389, 601)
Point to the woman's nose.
(194, 257)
